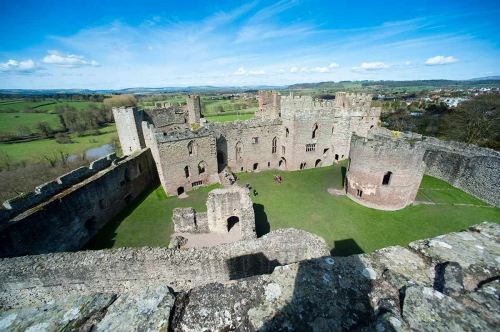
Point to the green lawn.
(9, 121)
(302, 201)
(228, 118)
(34, 149)
(148, 220)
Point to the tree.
(43, 128)
(475, 120)
(23, 130)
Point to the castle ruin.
(289, 133)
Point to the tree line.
(475, 121)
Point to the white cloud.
(240, 71)
(333, 65)
(69, 61)
(256, 72)
(407, 63)
(13, 66)
(370, 67)
(320, 69)
(440, 60)
(150, 48)
(294, 69)
(281, 71)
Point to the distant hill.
(347, 85)
(493, 80)
(487, 78)
(142, 90)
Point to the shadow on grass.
(346, 247)
(105, 237)
(262, 226)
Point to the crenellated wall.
(67, 220)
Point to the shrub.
(63, 139)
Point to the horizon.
(105, 46)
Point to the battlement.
(44, 192)
(353, 100)
(387, 145)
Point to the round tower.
(384, 174)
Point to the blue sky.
(118, 44)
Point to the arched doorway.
(282, 163)
(180, 190)
(221, 160)
(318, 163)
(231, 222)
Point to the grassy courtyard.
(302, 201)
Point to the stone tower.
(128, 124)
(194, 109)
(269, 104)
(384, 174)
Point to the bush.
(63, 139)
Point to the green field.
(20, 106)
(9, 121)
(302, 201)
(228, 118)
(34, 149)
(45, 106)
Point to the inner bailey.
(39, 279)
(68, 219)
(384, 174)
(447, 283)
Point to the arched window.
(315, 131)
(275, 142)
(238, 151)
(192, 148)
(201, 167)
(287, 132)
(387, 179)
(334, 129)
(186, 171)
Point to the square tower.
(194, 109)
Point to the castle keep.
(289, 133)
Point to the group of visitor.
(231, 177)
(277, 178)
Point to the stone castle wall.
(253, 139)
(371, 160)
(46, 191)
(467, 167)
(335, 126)
(37, 279)
(223, 204)
(166, 117)
(128, 124)
(67, 220)
(201, 164)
